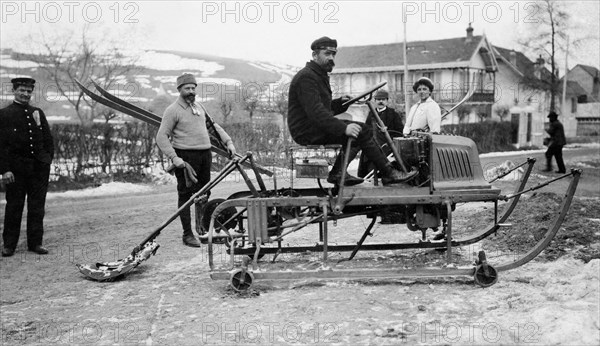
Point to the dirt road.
(170, 299)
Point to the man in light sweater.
(184, 138)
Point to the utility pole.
(564, 93)
(404, 87)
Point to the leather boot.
(394, 176)
(190, 240)
(335, 177)
(336, 171)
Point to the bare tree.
(226, 107)
(280, 106)
(65, 59)
(502, 111)
(250, 98)
(548, 36)
(250, 104)
(463, 112)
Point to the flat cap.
(186, 78)
(22, 81)
(382, 94)
(324, 43)
(552, 115)
(424, 81)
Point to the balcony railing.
(455, 95)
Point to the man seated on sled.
(312, 121)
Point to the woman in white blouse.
(425, 115)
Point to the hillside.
(154, 75)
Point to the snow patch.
(112, 188)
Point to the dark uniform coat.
(557, 141)
(393, 121)
(311, 109)
(26, 150)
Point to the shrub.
(489, 136)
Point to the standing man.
(557, 141)
(392, 121)
(425, 115)
(185, 123)
(26, 151)
(312, 121)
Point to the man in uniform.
(26, 151)
(184, 138)
(312, 121)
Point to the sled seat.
(312, 161)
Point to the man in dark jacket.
(557, 141)
(392, 121)
(312, 121)
(26, 151)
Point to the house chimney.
(596, 87)
(469, 34)
(513, 57)
(537, 67)
(540, 61)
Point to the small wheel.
(241, 280)
(485, 275)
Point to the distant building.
(454, 65)
(582, 101)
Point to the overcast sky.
(280, 31)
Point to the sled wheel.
(241, 280)
(485, 275)
(208, 210)
(484, 280)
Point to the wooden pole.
(404, 87)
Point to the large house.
(582, 101)
(454, 65)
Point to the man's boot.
(394, 176)
(336, 171)
(190, 240)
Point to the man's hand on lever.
(352, 130)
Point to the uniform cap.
(324, 43)
(22, 81)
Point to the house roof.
(573, 89)
(435, 54)
(589, 69)
(523, 65)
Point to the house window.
(371, 79)
(399, 81)
(428, 75)
(514, 119)
(573, 105)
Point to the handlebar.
(352, 100)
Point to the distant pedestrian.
(26, 152)
(556, 144)
(184, 138)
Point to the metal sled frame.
(484, 274)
